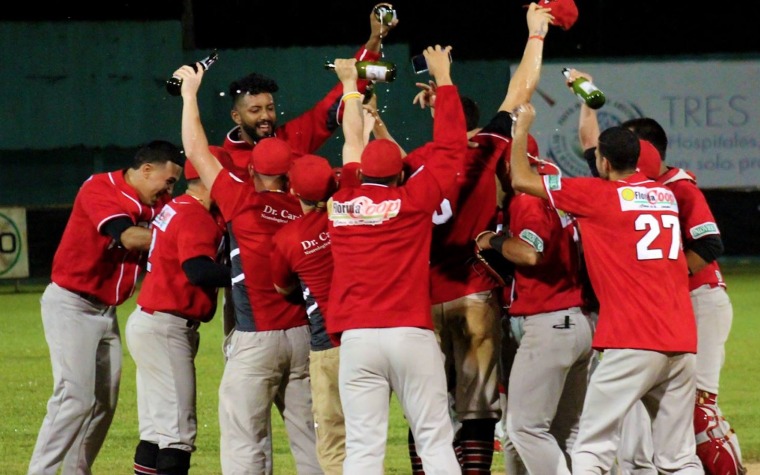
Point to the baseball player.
(268, 352)
(178, 293)
(466, 301)
(555, 343)
(379, 297)
(632, 241)
(302, 257)
(254, 114)
(717, 444)
(95, 269)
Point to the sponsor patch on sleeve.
(553, 182)
(533, 239)
(164, 218)
(704, 229)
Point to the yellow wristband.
(351, 95)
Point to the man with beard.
(255, 116)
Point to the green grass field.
(27, 384)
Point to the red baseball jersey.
(632, 244)
(253, 218)
(93, 263)
(697, 221)
(381, 235)
(469, 208)
(302, 251)
(183, 230)
(305, 133)
(552, 284)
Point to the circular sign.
(10, 244)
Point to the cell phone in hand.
(419, 64)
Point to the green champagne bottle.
(586, 91)
(379, 71)
(174, 84)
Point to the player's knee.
(517, 430)
(146, 456)
(77, 400)
(172, 462)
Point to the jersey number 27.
(651, 224)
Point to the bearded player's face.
(256, 115)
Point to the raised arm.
(352, 124)
(378, 30)
(523, 83)
(588, 124)
(194, 139)
(374, 125)
(524, 178)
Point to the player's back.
(632, 244)
(380, 246)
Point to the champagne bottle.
(174, 84)
(379, 71)
(385, 14)
(586, 91)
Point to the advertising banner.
(709, 109)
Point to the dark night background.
(477, 29)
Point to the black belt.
(90, 298)
(194, 324)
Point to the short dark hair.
(471, 112)
(158, 151)
(621, 147)
(650, 130)
(252, 84)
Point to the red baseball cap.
(271, 156)
(649, 160)
(347, 175)
(190, 172)
(221, 154)
(381, 158)
(312, 178)
(544, 167)
(565, 12)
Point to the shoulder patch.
(704, 229)
(553, 182)
(533, 239)
(164, 218)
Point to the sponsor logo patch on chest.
(362, 211)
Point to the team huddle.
(600, 352)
